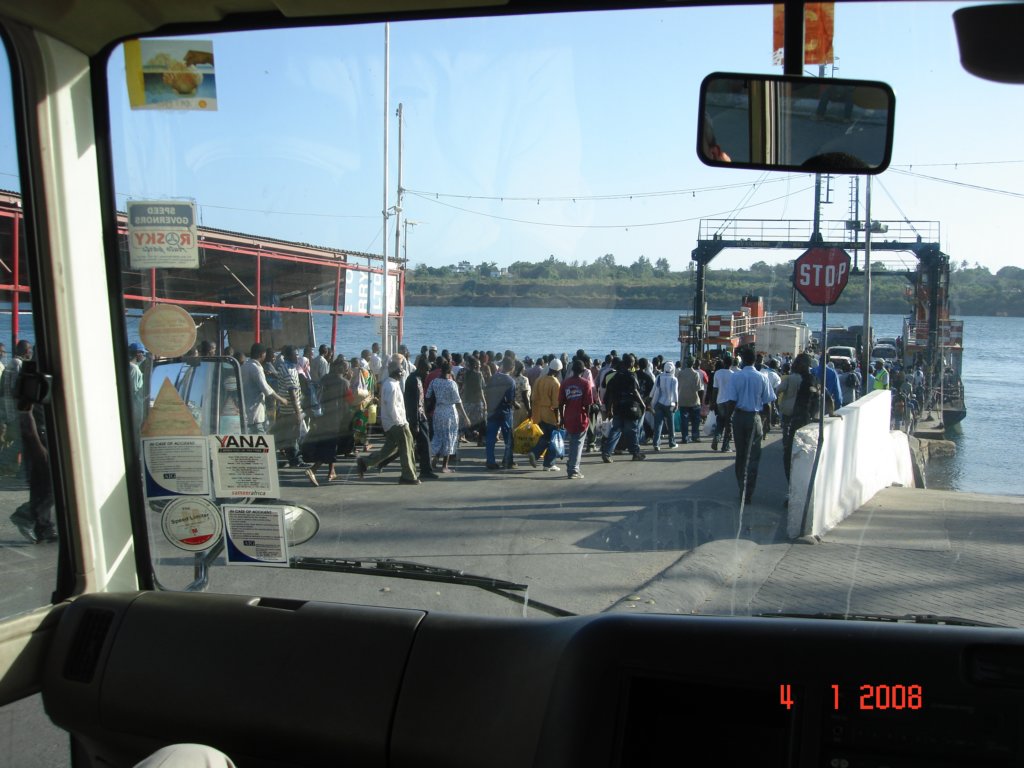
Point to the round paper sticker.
(194, 525)
(167, 330)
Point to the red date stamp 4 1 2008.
(880, 696)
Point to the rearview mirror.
(789, 123)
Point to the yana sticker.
(194, 525)
(245, 465)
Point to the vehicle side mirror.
(211, 388)
(989, 40)
(790, 123)
(301, 522)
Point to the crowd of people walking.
(547, 410)
(425, 411)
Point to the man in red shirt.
(575, 397)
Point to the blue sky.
(573, 106)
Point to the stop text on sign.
(822, 275)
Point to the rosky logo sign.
(162, 238)
(162, 233)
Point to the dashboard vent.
(87, 644)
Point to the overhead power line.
(730, 212)
(893, 200)
(955, 183)
(592, 198)
(956, 165)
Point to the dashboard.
(292, 683)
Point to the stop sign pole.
(819, 275)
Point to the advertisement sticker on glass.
(171, 74)
(245, 465)
(194, 525)
(255, 535)
(176, 466)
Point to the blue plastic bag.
(558, 443)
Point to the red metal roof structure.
(255, 288)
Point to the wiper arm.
(404, 569)
(909, 618)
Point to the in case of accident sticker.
(256, 535)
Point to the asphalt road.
(581, 545)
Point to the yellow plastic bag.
(525, 436)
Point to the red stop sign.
(820, 274)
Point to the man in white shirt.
(722, 423)
(321, 364)
(255, 389)
(376, 364)
(397, 436)
(747, 395)
(770, 370)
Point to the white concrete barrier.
(860, 457)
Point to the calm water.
(985, 461)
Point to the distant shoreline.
(595, 302)
(971, 295)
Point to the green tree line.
(653, 285)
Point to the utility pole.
(406, 223)
(867, 287)
(384, 348)
(398, 221)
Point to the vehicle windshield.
(532, 188)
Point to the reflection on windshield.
(550, 207)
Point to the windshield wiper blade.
(908, 618)
(405, 569)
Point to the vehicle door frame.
(59, 161)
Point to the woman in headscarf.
(363, 387)
(321, 444)
(523, 392)
(664, 401)
(346, 438)
(447, 406)
(473, 400)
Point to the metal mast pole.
(816, 237)
(385, 352)
(398, 214)
(866, 370)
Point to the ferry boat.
(782, 333)
(934, 340)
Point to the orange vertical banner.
(819, 26)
